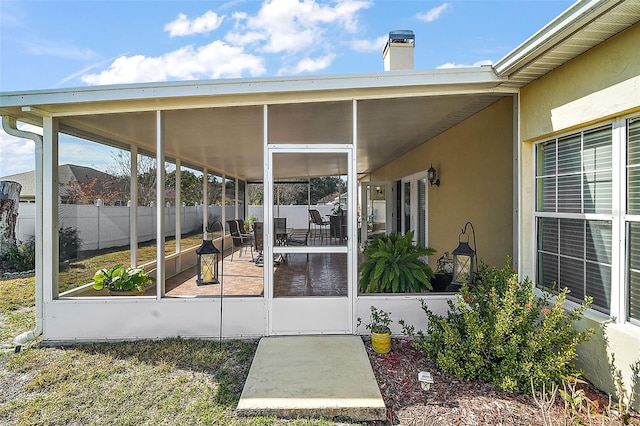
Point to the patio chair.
(298, 237)
(280, 230)
(240, 239)
(280, 234)
(258, 242)
(241, 227)
(319, 224)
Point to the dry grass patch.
(172, 381)
(17, 293)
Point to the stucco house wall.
(601, 84)
(474, 161)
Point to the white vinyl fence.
(297, 216)
(108, 226)
(101, 227)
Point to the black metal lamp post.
(207, 267)
(464, 258)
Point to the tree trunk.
(9, 201)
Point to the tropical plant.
(121, 278)
(501, 332)
(394, 264)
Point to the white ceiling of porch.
(230, 139)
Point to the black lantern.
(207, 263)
(464, 258)
(431, 176)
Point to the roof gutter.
(9, 124)
(564, 25)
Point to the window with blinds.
(633, 226)
(573, 180)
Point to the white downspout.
(9, 124)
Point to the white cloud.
(243, 39)
(18, 155)
(434, 13)
(475, 64)
(311, 65)
(296, 29)
(204, 24)
(369, 45)
(81, 72)
(295, 26)
(214, 60)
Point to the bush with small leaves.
(500, 332)
(23, 257)
(69, 243)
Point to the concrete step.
(312, 376)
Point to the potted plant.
(121, 280)
(248, 224)
(394, 264)
(380, 331)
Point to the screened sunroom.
(185, 155)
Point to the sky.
(52, 44)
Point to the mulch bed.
(451, 401)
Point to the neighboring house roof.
(67, 173)
(27, 180)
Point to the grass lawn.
(172, 381)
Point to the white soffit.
(582, 26)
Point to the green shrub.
(69, 243)
(394, 264)
(23, 257)
(500, 332)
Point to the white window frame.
(618, 309)
(413, 182)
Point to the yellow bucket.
(381, 342)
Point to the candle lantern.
(464, 258)
(207, 266)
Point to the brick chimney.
(398, 52)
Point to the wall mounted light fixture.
(431, 175)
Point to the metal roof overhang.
(584, 25)
(219, 124)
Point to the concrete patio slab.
(312, 376)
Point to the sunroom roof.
(219, 124)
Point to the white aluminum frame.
(308, 315)
(389, 204)
(413, 181)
